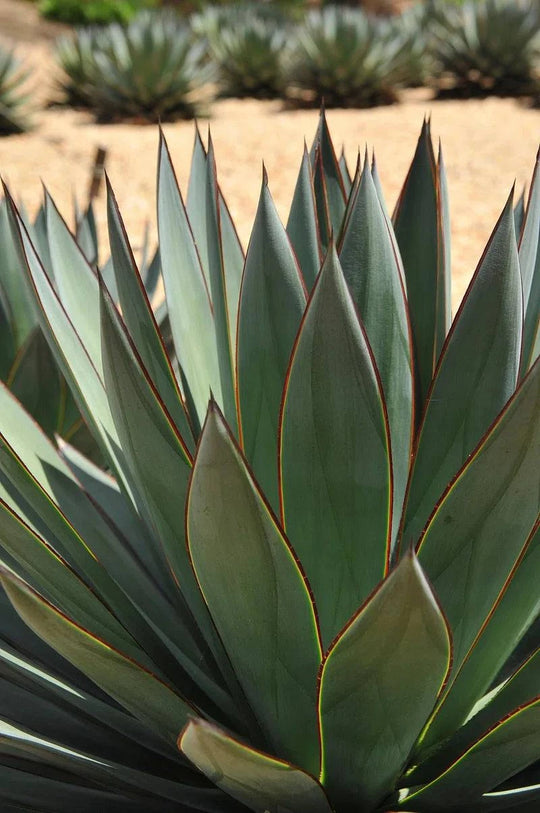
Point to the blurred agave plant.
(299, 595)
(488, 46)
(248, 47)
(151, 70)
(13, 117)
(350, 59)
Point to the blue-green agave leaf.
(512, 616)
(141, 323)
(256, 595)
(506, 749)
(335, 463)
(302, 225)
(372, 272)
(224, 290)
(147, 697)
(257, 780)
(484, 345)
(330, 188)
(272, 302)
(379, 682)
(189, 306)
(419, 226)
(482, 526)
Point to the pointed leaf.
(82, 721)
(516, 800)
(233, 263)
(257, 780)
(378, 186)
(484, 345)
(156, 791)
(76, 281)
(190, 311)
(502, 701)
(105, 492)
(104, 563)
(158, 460)
(25, 790)
(49, 573)
(44, 494)
(224, 295)
(133, 686)
(529, 259)
(444, 239)
(519, 212)
(331, 172)
(322, 209)
(379, 683)
(336, 509)
(140, 321)
(271, 306)
(482, 525)
(511, 618)
(529, 238)
(160, 466)
(69, 350)
(256, 594)
(372, 273)
(302, 226)
(508, 748)
(388, 219)
(196, 201)
(418, 226)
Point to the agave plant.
(349, 59)
(13, 118)
(248, 47)
(488, 46)
(301, 594)
(150, 70)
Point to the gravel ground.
(487, 145)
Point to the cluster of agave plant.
(347, 57)
(305, 577)
(162, 66)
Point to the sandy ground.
(487, 145)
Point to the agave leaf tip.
(198, 136)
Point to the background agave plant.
(301, 595)
(350, 59)
(151, 70)
(13, 117)
(247, 43)
(488, 46)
